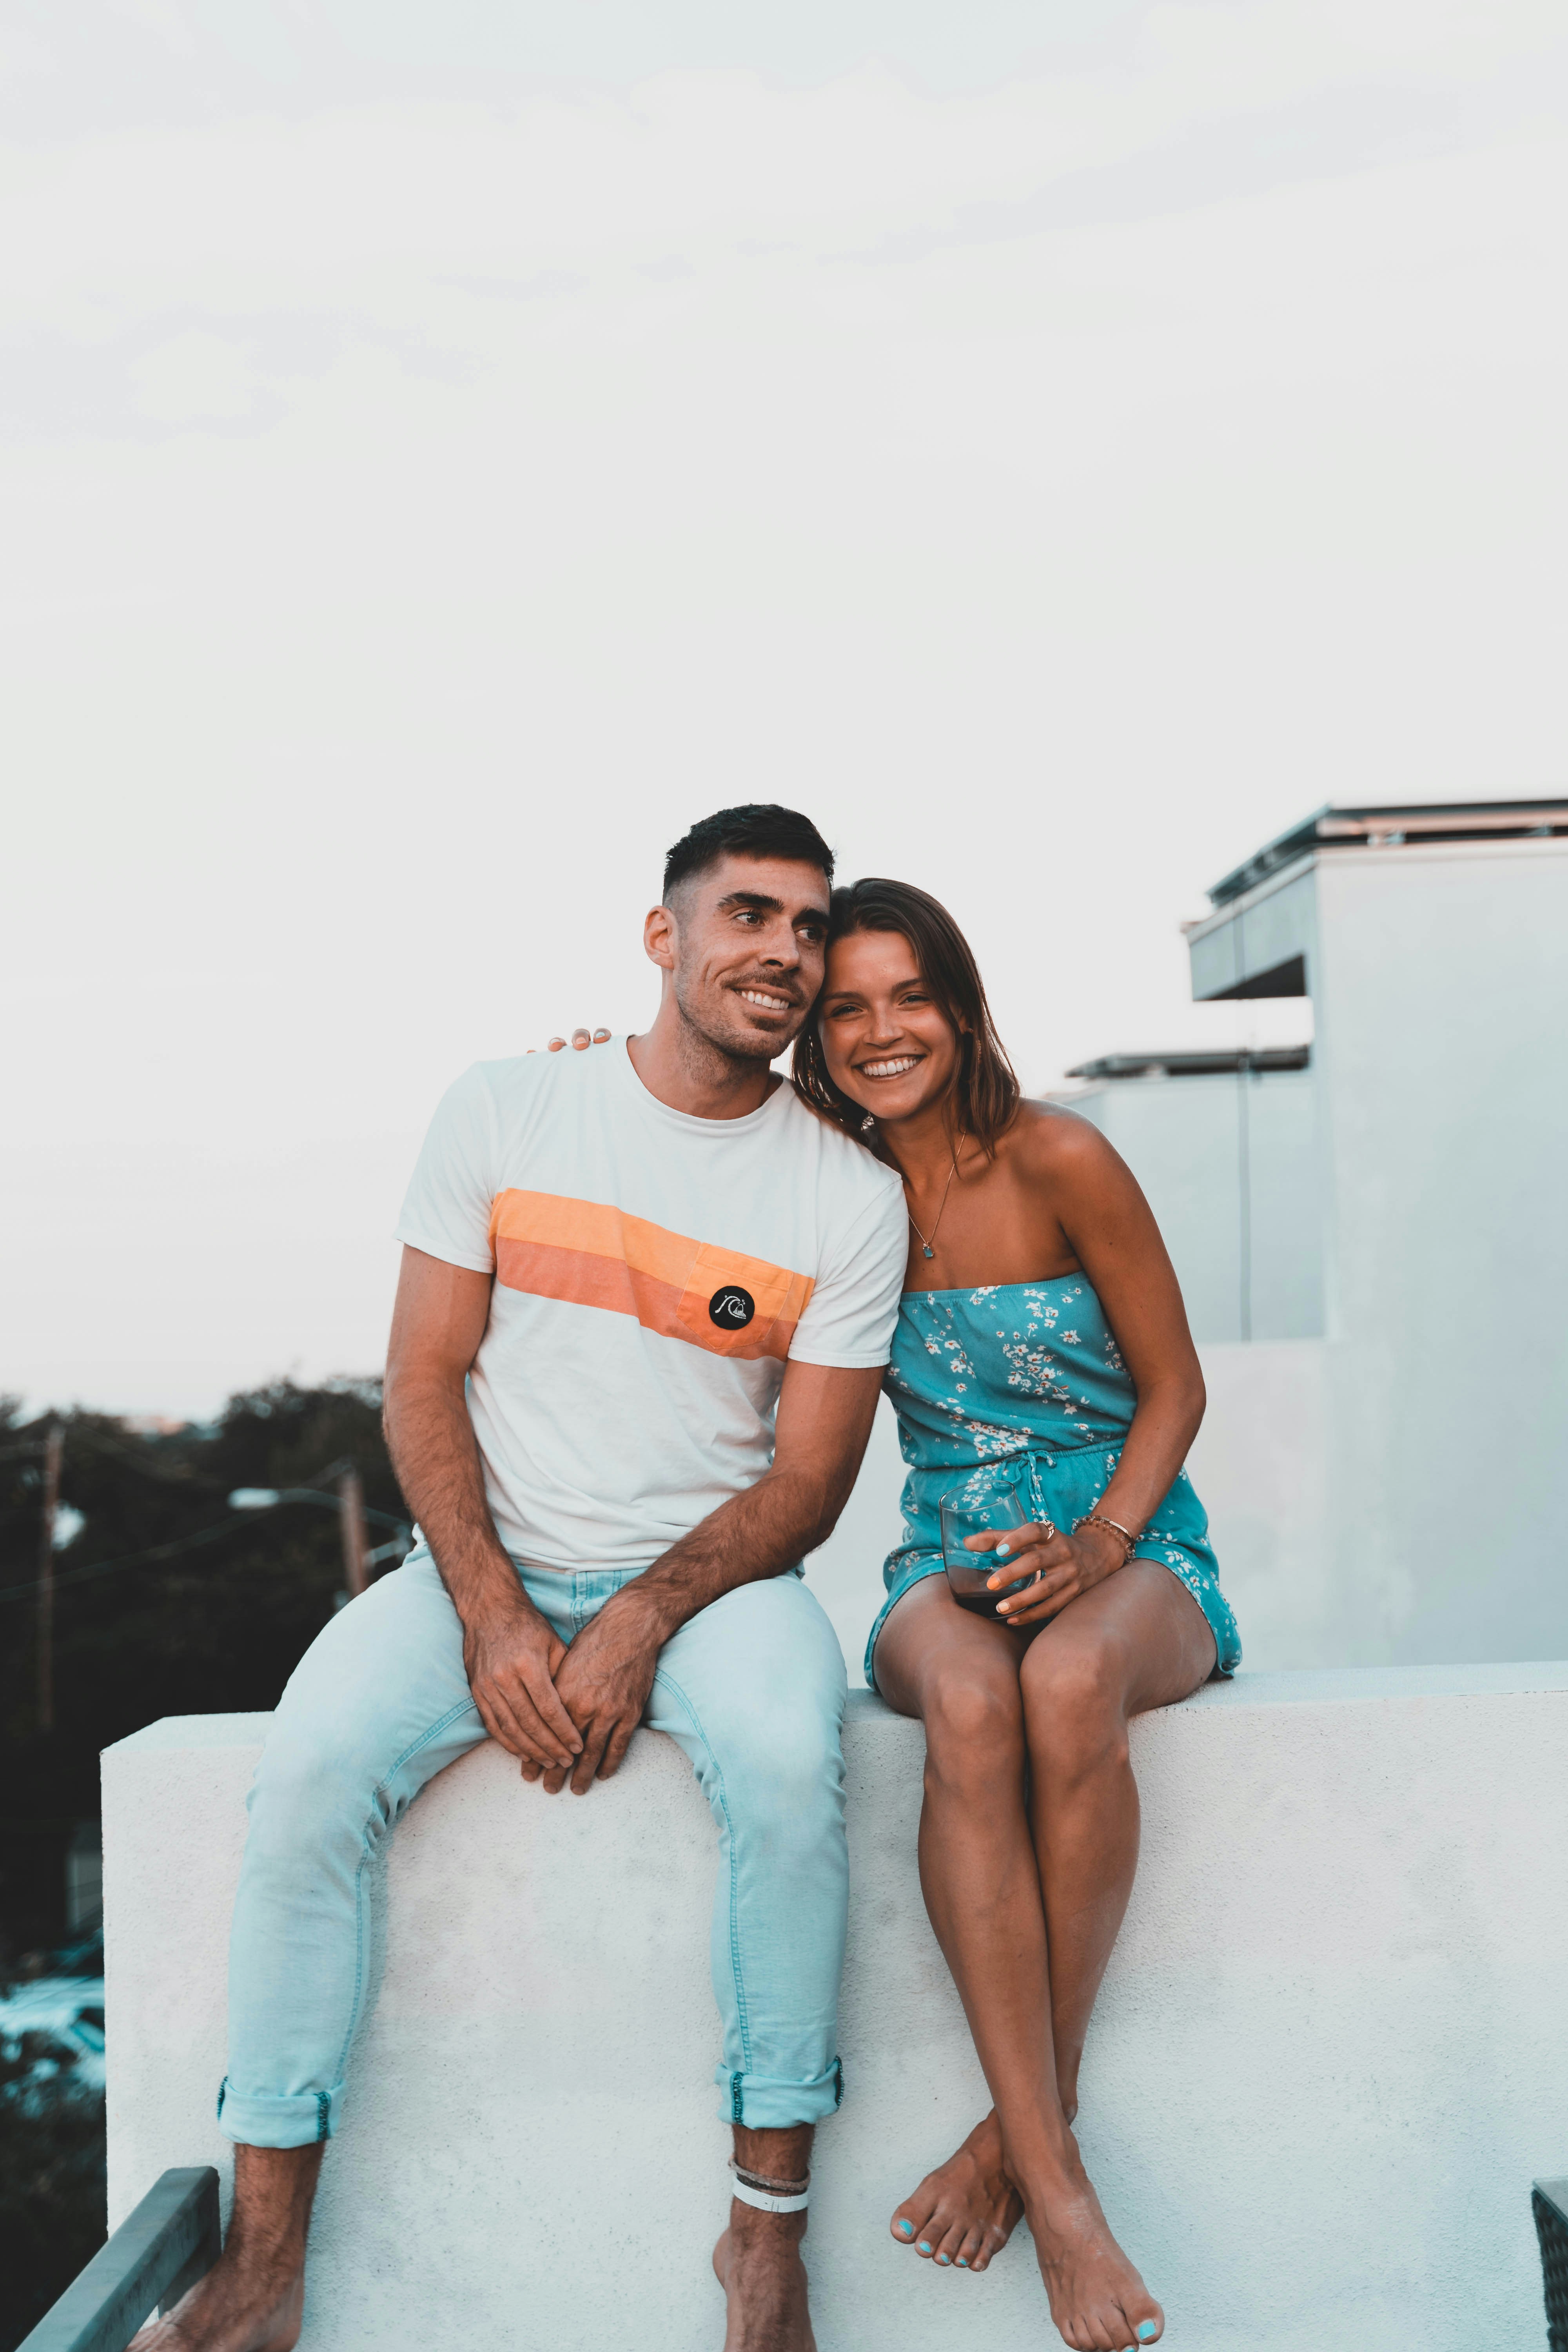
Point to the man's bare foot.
(226, 2312)
(757, 2263)
(253, 2298)
(965, 2212)
(1098, 2300)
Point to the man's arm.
(823, 1421)
(510, 1653)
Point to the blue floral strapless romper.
(1022, 1385)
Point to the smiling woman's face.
(887, 1042)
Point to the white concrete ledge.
(1328, 2061)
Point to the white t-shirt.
(652, 1273)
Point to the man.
(646, 1301)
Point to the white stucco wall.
(1327, 2064)
(1260, 1465)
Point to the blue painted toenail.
(922, 2248)
(1146, 2329)
(908, 2228)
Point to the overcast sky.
(450, 445)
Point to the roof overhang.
(1390, 825)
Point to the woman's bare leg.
(958, 1673)
(981, 1886)
(1136, 1642)
(954, 1671)
(1085, 1841)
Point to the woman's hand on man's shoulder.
(579, 1041)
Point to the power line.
(210, 1535)
(189, 1543)
(127, 1560)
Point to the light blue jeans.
(753, 1689)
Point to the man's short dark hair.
(760, 829)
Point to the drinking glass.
(967, 1571)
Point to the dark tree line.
(211, 1629)
(52, 2188)
(214, 1627)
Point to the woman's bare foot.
(1098, 2300)
(228, 2311)
(757, 2263)
(965, 2212)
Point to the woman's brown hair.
(984, 1091)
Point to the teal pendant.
(928, 1251)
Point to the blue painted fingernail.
(1002, 1548)
(908, 2228)
(1146, 2329)
(922, 2248)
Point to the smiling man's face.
(745, 947)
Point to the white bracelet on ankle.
(788, 2196)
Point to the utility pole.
(351, 1525)
(54, 1449)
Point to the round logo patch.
(731, 1308)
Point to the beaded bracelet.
(1099, 1519)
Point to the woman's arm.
(1094, 1196)
(1113, 1234)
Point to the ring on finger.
(1047, 1533)
(1038, 1531)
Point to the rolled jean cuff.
(774, 2102)
(297, 2119)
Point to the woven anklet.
(754, 2189)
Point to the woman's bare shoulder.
(1047, 1140)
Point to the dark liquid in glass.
(980, 1605)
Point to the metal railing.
(171, 2239)
(1549, 2203)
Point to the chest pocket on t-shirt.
(738, 1305)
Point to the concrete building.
(1370, 1233)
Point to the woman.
(1041, 1348)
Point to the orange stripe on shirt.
(593, 1255)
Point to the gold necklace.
(929, 1246)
